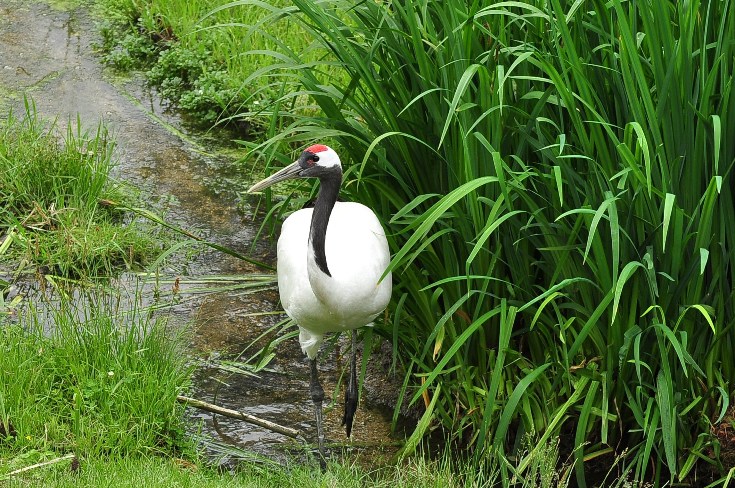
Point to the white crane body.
(331, 259)
(318, 303)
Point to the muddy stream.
(47, 53)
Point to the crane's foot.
(351, 394)
(317, 396)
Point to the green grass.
(96, 381)
(161, 471)
(101, 382)
(557, 191)
(148, 471)
(54, 186)
(195, 53)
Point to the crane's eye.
(308, 159)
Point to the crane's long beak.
(287, 173)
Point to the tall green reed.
(557, 194)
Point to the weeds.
(52, 201)
(201, 60)
(127, 53)
(187, 79)
(100, 383)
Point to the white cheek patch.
(328, 158)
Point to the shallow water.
(48, 54)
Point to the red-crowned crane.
(330, 261)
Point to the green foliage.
(53, 194)
(189, 80)
(558, 196)
(158, 471)
(128, 52)
(100, 383)
(185, 59)
(176, 71)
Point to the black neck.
(328, 192)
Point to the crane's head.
(317, 161)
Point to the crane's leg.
(317, 396)
(351, 391)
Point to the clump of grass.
(53, 201)
(158, 471)
(203, 57)
(98, 383)
(557, 194)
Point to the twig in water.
(267, 424)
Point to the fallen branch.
(267, 424)
(41, 465)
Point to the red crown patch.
(317, 148)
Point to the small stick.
(41, 465)
(267, 424)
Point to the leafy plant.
(188, 80)
(102, 382)
(557, 194)
(53, 194)
(126, 53)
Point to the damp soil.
(47, 53)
